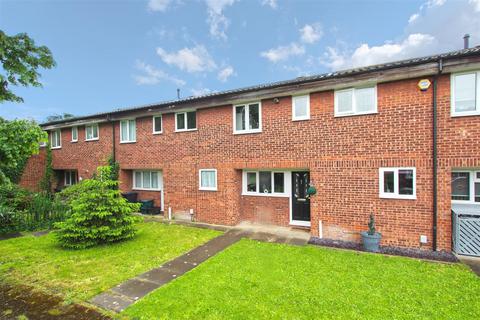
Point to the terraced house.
(399, 140)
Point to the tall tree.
(20, 59)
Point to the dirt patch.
(22, 302)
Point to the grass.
(78, 275)
(254, 280)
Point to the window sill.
(208, 189)
(300, 119)
(73, 141)
(465, 114)
(159, 132)
(465, 202)
(247, 132)
(354, 114)
(54, 148)
(123, 142)
(186, 130)
(96, 139)
(274, 195)
(397, 197)
(143, 189)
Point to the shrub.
(99, 214)
(8, 219)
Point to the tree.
(19, 139)
(20, 59)
(56, 117)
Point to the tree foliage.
(20, 59)
(19, 139)
(99, 214)
(46, 184)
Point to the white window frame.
(472, 179)
(307, 116)
(186, 121)
(477, 95)
(200, 180)
(127, 121)
(69, 173)
(159, 182)
(247, 118)
(161, 123)
(354, 104)
(76, 131)
(98, 131)
(286, 183)
(395, 194)
(52, 133)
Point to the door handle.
(301, 199)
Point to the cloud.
(196, 59)
(200, 91)
(158, 5)
(476, 5)
(311, 33)
(282, 53)
(152, 76)
(217, 21)
(413, 17)
(271, 3)
(225, 73)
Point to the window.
(466, 186)
(74, 134)
(208, 179)
(355, 101)
(465, 94)
(268, 183)
(56, 139)
(186, 121)
(70, 177)
(247, 118)
(91, 132)
(301, 107)
(157, 124)
(128, 131)
(146, 180)
(397, 183)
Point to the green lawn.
(81, 274)
(254, 280)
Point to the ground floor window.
(466, 186)
(70, 177)
(397, 183)
(146, 180)
(208, 179)
(264, 182)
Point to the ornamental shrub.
(98, 213)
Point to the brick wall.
(34, 171)
(342, 154)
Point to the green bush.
(99, 213)
(8, 219)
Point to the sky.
(124, 53)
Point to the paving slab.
(159, 276)
(472, 262)
(112, 301)
(135, 289)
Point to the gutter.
(435, 155)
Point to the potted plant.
(371, 238)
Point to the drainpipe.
(435, 170)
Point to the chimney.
(465, 41)
(178, 92)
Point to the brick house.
(399, 140)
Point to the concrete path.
(128, 292)
(472, 262)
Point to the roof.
(299, 80)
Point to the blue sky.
(115, 54)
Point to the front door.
(300, 198)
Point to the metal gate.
(466, 229)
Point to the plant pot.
(371, 242)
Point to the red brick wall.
(342, 154)
(34, 171)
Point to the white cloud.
(271, 3)
(158, 5)
(217, 21)
(476, 5)
(225, 73)
(200, 91)
(282, 53)
(311, 33)
(435, 3)
(152, 76)
(196, 59)
(413, 18)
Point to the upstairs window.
(208, 179)
(397, 183)
(356, 101)
(186, 121)
(146, 180)
(301, 107)
(56, 139)
(465, 94)
(157, 124)
(466, 186)
(74, 134)
(266, 183)
(91, 132)
(70, 177)
(248, 118)
(128, 131)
